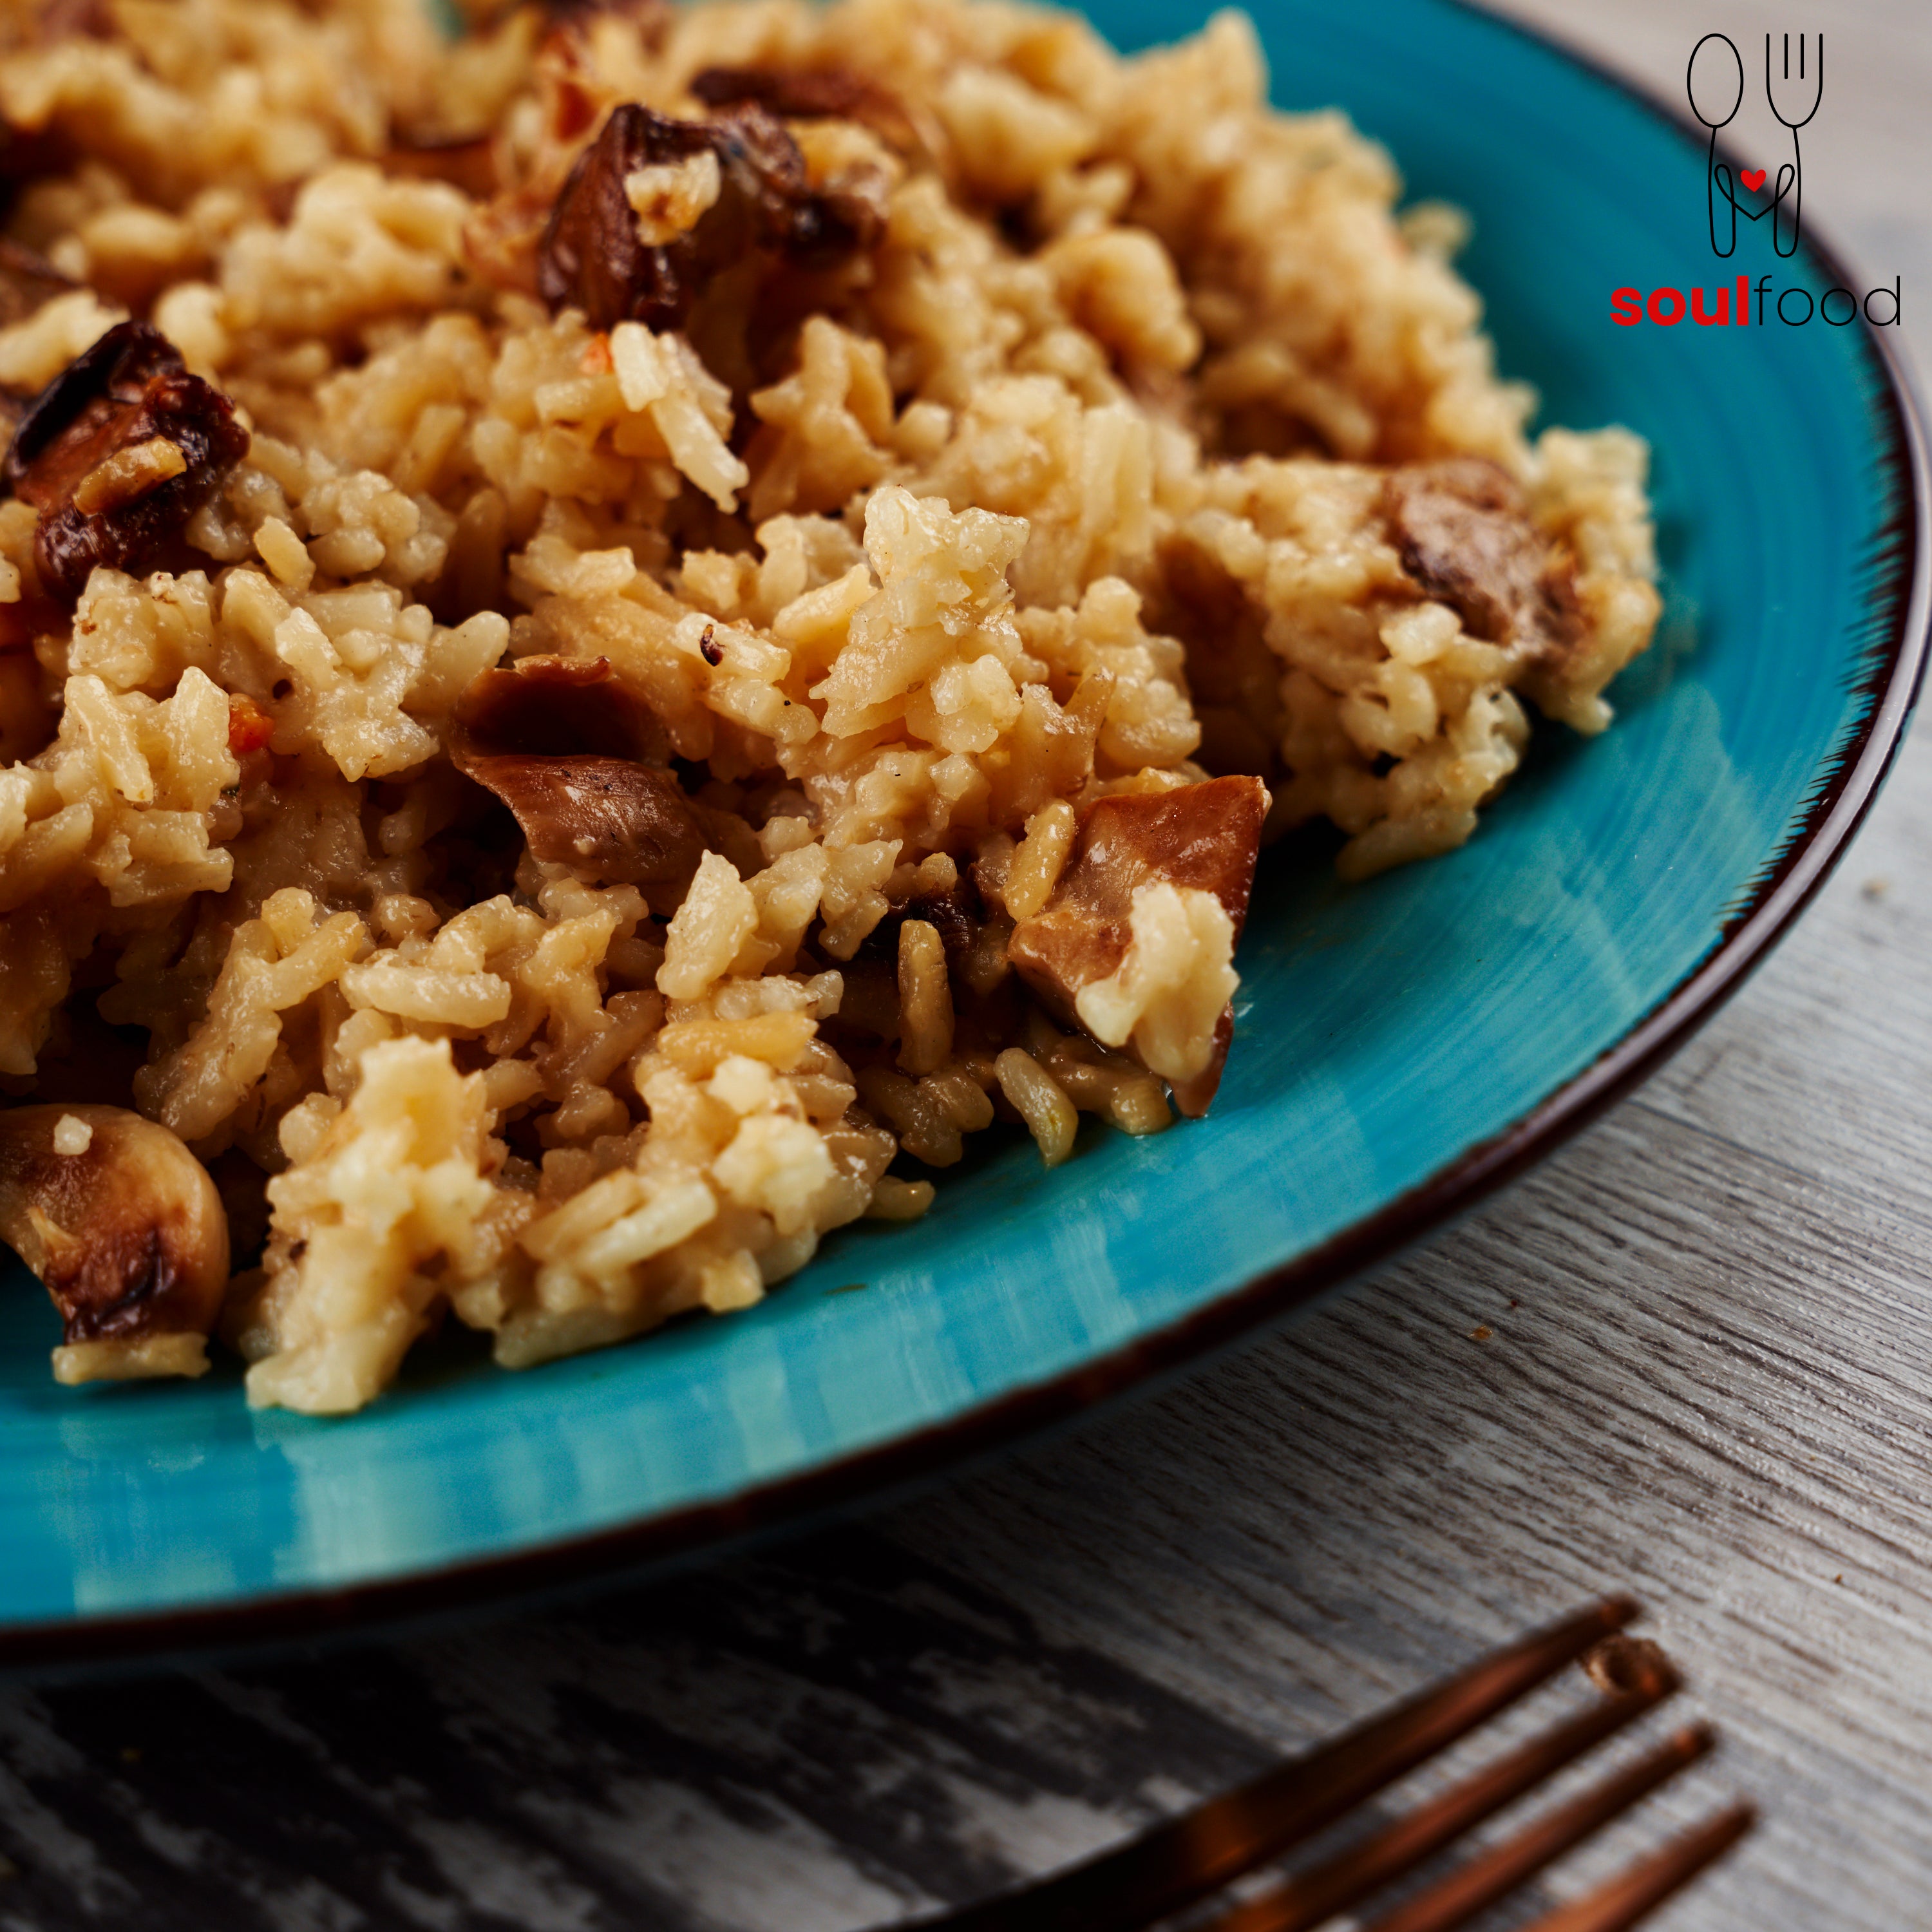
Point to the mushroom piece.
(117, 453)
(467, 162)
(1197, 839)
(810, 94)
(27, 281)
(958, 914)
(578, 758)
(651, 18)
(1464, 534)
(27, 154)
(50, 22)
(125, 1228)
(595, 256)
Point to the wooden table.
(1691, 1356)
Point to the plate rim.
(1845, 787)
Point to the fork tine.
(1360, 1870)
(1474, 1887)
(1180, 1862)
(1624, 1901)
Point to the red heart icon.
(1752, 177)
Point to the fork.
(1185, 1860)
(1790, 182)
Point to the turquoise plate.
(1402, 1047)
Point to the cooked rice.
(1075, 483)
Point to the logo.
(1715, 98)
(1794, 87)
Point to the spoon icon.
(1718, 86)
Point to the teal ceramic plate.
(1402, 1046)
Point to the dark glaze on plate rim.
(1900, 601)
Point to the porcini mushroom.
(1199, 839)
(810, 94)
(1462, 529)
(125, 1228)
(595, 256)
(117, 453)
(577, 755)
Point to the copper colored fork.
(1187, 1859)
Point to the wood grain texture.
(1706, 1375)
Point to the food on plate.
(125, 1228)
(618, 628)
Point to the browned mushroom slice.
(28, 153)
(552, 706)
(27, 281)
(809, 94)
(54, 20)
(623, 823)
(117, 453)
(1202, 837)
(594, 254)
(28, 714)
(125, 1228)
(652, 17)
(957, 914)
(29, 616)
(1464, 534)
(28, 718)
(576, 755)
(467, 162)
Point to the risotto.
(618, 627)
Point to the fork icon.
(1790, 175)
